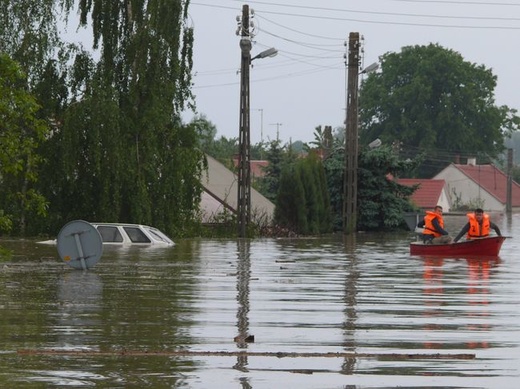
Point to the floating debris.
(138, 353)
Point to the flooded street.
(267, 313)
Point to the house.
(257, 167)
(483, 186)
(221, 192)
(429, 193)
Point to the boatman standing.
(433, 227)
(478, 226)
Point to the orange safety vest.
(477, 230)
(429, 229)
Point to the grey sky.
(304, 85)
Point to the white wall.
(444, 200)
(460, 185)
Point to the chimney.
(472, 161)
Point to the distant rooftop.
(428, 193)
(493, 180)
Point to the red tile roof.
(493, 180)
(429, 192)
(258, 168)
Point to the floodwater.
(358, 312)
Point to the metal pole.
(261, 124)
(351, 138)
(277, 129)
(509, 192)
(244, 167)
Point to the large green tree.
(118, 150)
(279, 157)
(302, 201)
(429, 99)
(21, 133)
(381, 201)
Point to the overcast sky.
(304, 85)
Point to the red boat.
(489, 246)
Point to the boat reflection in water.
(443, 283)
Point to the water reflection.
(78, 312)
(476, 286)
(479, 272)
(243, 277)
(362, 294)
(349, 325)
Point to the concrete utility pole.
(509, 193)
(351, 138)
(244, 142)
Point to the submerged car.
(128, 234)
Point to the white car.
(128, 234)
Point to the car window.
(136, 235)
(158, 235)
(110, 234)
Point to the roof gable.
(493, 180)
(428, 193)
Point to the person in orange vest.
(433, 227)
(478, 226)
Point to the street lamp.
(266, 53)
(244, 139)
(350, 180)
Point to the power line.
(458, 2)
(386, 22)
(307, 45)
(382, 13)
(299, 32)
(395, 22)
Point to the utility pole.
(351, 138)
(277, 129)
(509, 193)
(261, 110)
(244, 143)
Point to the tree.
(290, 211)
(279, 157)
(206, 132)
(21, 133)
(302, 204)
(222, 149)
(29, 34)
(514, 143)
(427, 98)
(381, 201)
(118, 150)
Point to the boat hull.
(489, 246)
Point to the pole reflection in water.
(438, 297)
(78, 318)
(243, 277)
(349, 325)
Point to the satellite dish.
(79, 244)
